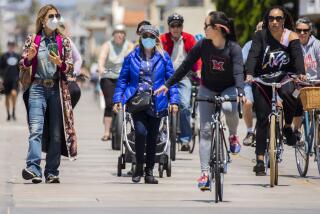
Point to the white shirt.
(178, 53)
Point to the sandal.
(105, 138)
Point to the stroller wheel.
(117, 120)
(168, 168)
(160, 170)
(119, 173)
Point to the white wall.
(309, 7)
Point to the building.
(193, 11)
(311, 9)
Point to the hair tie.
(224, 27)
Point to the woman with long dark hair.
(221, 74)
(275, 51)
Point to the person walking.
(50, 118)
(9, 64)
(110, 62)
(143, 71)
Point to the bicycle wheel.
(173, 135)
(195, 125)
(195, 135)
(317, 141)
(302, 149)
(272, 150)
(218, 172)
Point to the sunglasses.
(148, 36)
(277, 18)
(206, 26)
(176, 25)
(51, 16)
(302, 30)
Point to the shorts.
(9, 86)
(248, 92)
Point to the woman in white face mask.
(48, 54)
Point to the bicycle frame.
(217, 125)
(218, 160)
(274, 152)
(276, 111)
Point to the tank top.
(115, 59)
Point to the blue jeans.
(185, 87)
(42, 99)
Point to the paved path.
(90, 184)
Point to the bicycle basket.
(310, 98)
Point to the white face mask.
(61, 20)
(52, 23)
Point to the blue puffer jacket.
(127, 84)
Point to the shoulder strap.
(285, 37)
(36, 39)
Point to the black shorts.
(9, 86)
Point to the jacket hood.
(312, 39)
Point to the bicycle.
(273, 155)
(309, 142)
(219, 152)
(195, 126)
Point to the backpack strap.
(36, 39)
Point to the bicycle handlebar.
(276, 84)
(220, 100)
(309, 82)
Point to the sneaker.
(52, 179)
(291, 138)
(300, 142)
(259, 169)
(204, 182)
(235, 146)
(185, 147)
(29, 175)
(249, 139)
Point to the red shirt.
(188, 40)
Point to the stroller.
(127, 145)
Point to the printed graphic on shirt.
(310, 66)
(217, 63)
(274, 59)
(12, 61)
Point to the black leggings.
(107, 87)
(263, 109)
(146, 133)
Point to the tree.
(248, 13)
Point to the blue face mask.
(148, 43)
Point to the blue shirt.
(145, 82)
(245, 51)
(45, 68)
